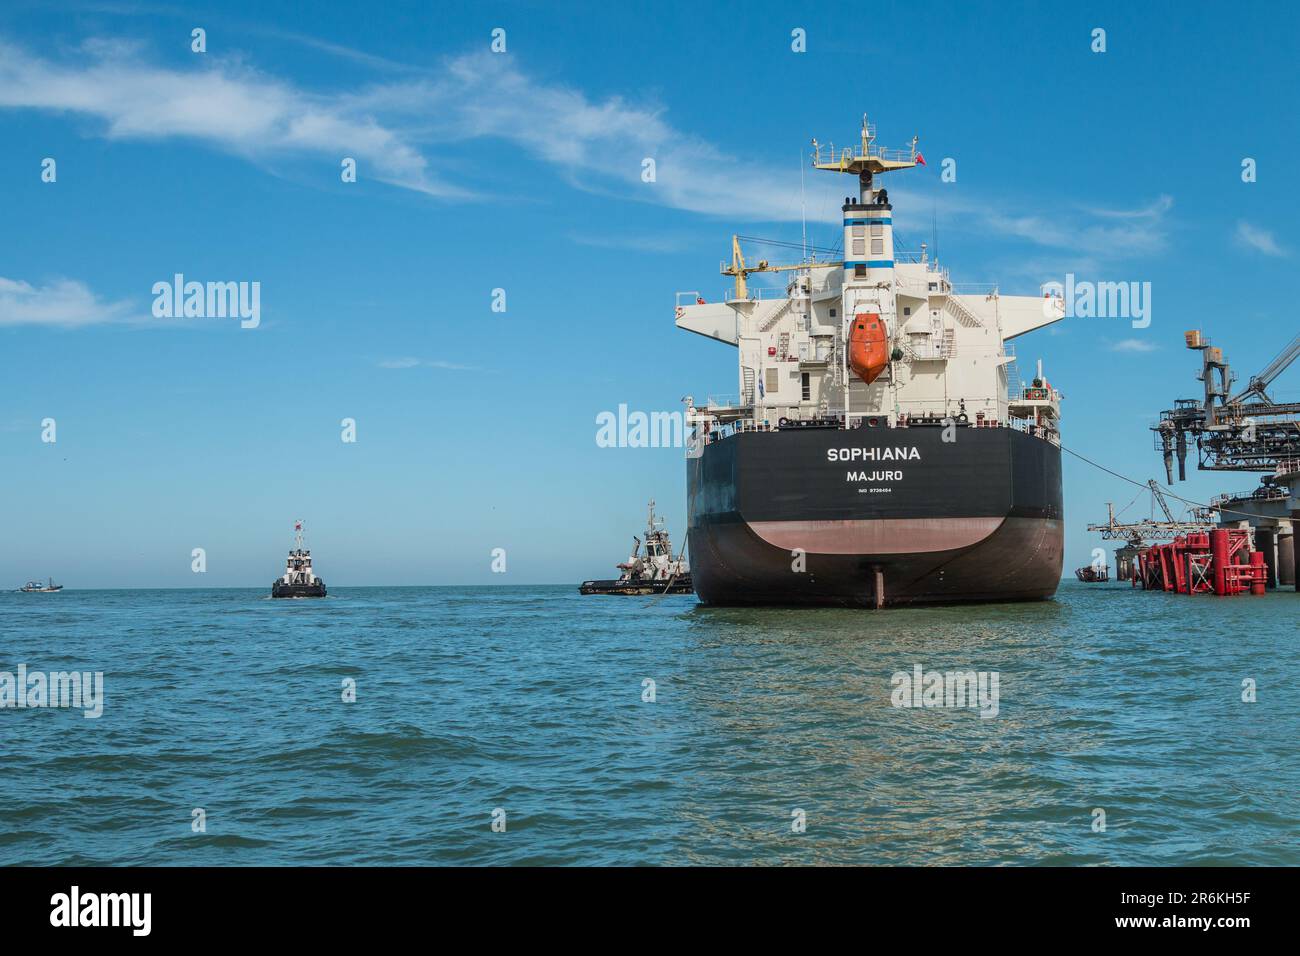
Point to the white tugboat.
(299, 580)
(654, 572)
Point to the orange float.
(868, 346)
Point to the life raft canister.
(868, 346)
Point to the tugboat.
(36, 587)
(655, 572)
(298, 580)
(1092, 574)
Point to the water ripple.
(529, 700)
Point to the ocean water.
(529, 700)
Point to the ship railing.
(693, 298)
(846, 154)
(1259, 494)
(737, 427)
(1033, 429)
(755, 294)
(973, 288)
(1288, 466)
(742, 425)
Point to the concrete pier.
(1286, 552)
(1266, 544)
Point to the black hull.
(776, 520)
(281, 590)
(679, 585)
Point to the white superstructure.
(658, 563)
(297, 567)
(945, 347)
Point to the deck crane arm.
(1271, 371)
(741, 271)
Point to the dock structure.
(1270, 513)
(1218, 562)
(1243, 430)
(1137, 534)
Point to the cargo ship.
(882, 449)
(298, 580)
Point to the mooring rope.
(1164, 490)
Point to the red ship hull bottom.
(916, 561)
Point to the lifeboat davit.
(868, 346)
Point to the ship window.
(877, 247)
(832, 313)
(859, 271)
(773, 380)
(907, 310)
(806, 384)
(859, 231)
(877, 229)
(859, 247)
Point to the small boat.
(1092, 574)
(298, 581)
(36, 587)
(654, 572)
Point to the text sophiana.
(908, 453)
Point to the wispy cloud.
(414, 128)
(221, 102)
(1133, 345)
(399, 363)
(598, 144)
(62, 302)
(638, 243)
(1259, 239)
(1094, 233)
(399, 127)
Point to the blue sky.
(521, 171)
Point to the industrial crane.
(1246, 431)
(1270, 371)
(1137, 533)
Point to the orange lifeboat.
(868, 346)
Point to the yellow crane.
(741, 271)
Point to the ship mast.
(868, 288)
(866, 160)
